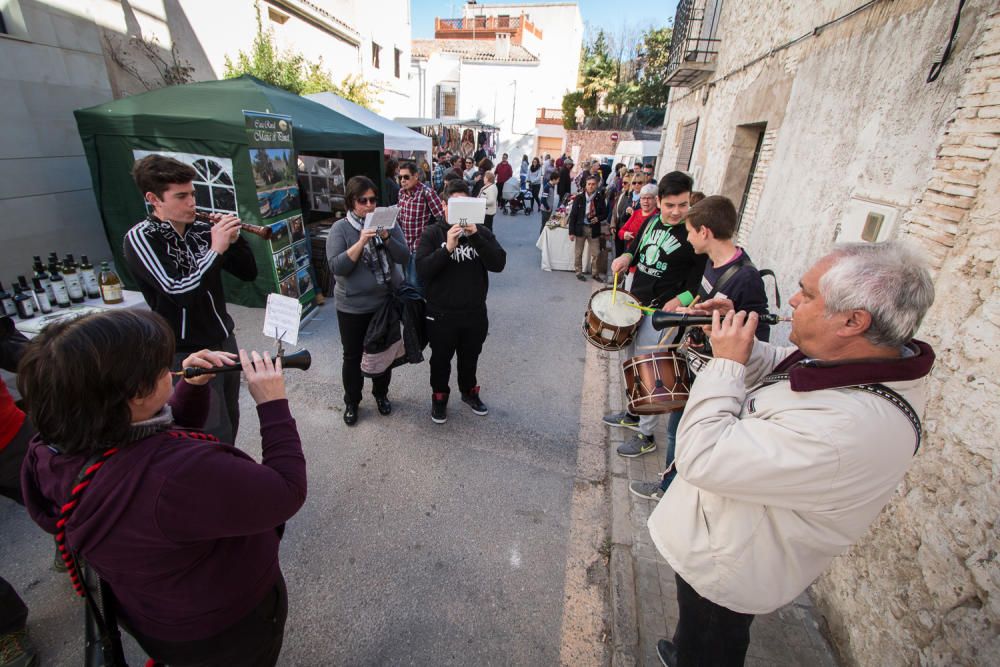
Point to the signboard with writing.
(275, 173)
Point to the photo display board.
(275, 173)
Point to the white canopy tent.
(397, 137)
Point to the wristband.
(685, 298)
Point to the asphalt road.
(419, 543)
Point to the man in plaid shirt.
(438, 176)
(419, 206)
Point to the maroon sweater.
(183, 530)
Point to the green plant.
(570, 102)
(292, 72)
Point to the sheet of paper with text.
(281, 318)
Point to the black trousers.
(489, 221)
(460, 335)
(253, 641)
(709, 634)
(353, 327)
(535, 188)
(224, 410)
(13, 611)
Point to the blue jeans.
(672, 421)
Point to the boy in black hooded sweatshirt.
(453, 264)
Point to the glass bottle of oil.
(111, 285)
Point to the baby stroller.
(514, 199)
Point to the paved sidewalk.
(644, 593)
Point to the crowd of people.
(779, 460)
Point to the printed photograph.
(305, 281)
(284, 262)
(280, 238)
(297, 228)
(274, 173)
(289, 287)
(301, 250)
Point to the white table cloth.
(557, 250)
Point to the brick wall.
(757, 185)
(595, 142)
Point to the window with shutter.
(684, 153)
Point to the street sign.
(614, 136)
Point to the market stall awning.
(432, 122)
(397, 137)
(213, 111)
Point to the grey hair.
(649, 190)
(889, 280)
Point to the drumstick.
(614, 289)
(642, 308)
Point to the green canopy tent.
(207, 119)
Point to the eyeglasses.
(405, 177)
(367, 200)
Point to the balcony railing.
(548, 117)
(693, 46)
(485, 27)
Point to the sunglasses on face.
(367, 200)
(405, 177)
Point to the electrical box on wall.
(867, 220)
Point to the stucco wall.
(52, 65)
(852, 123)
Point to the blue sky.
(596, 13)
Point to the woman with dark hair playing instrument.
(182, 528)
(367, 263)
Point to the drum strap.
(880, 390)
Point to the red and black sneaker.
(439, 408)
(471, 398)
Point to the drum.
(656, 383)
(609, 324)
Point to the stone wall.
(850, 118)
(595, 142)
(933, 558)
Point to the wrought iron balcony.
(693, 45)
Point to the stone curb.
(624, 611)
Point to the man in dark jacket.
(453, 263)
(584, 221)
(178, 263)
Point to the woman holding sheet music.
(367, 266)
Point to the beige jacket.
(773, 483)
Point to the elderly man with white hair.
(786, 455)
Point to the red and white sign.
(614, 136)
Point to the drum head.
(610, 307)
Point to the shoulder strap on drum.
(901, 404)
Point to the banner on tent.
(275, 172)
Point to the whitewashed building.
(848, 120)
(61, 55)
(499, 63)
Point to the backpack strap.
(777, 294)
